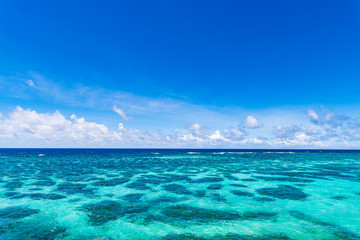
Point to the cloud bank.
(28, 128)
(159, 122)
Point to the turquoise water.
(177, 194)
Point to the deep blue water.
(179, 194)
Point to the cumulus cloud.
(28, 124)
(121, 113)
(314, 117)
(234, 134)
(252, 122)
(26, 127)
(30, 83)
(286, 132)
(218, 136)
(327, 118)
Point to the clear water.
(177, 194)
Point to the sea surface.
(155, 194)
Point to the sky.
(180, 74)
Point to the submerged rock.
(40, 196)
(44, 183)
(13, 185)
(238, 185)
(242, 193)
(249, 180)
(214, 186)
(286, 179)
(76, 188)
(32, 230)
(264, 199)
(102, 212)
(138, 186)
(111, 182)
(230, 177)
(17, 212)
(283, 192)
(133, 197)
(183, 237)
(338, 231)
(164, 199)
(253, 216)
(176, 188)
(338, 197)
(208, 179)
(218, 197)
(189, 213)
(230, 236)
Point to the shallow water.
(179, 194)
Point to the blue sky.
(242, 74)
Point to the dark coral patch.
(102, 212)
(199, 193)
(183, 237)
(76, 188)
(176, 188)
(338, 231)
(264, 199)
(214, 186)
(238, 185)
(71, 188)
(242, 193)
(259, 216)
(233, 236)
(133, 197)
(339, 197)
(286, 179)
(230, 177)
(32, 230)
(230, 236)
(17, 212)
(283, 192)
(44, 183)
(11, 194)
(164, 199)
(249, 180)
(218, 197)
(46, 196)
(13, 185)
(138, 185)
(39, 196)
(208, 179)
(111, 182)
(189, 213)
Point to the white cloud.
(197, 130)
(252, 122)
(218, 136)
(314, 117)
(252, 141)
(327, 118)
(51, 128)
(28, 128)
(286, 132)
(234, 134)
(30, 83)
(121, 113)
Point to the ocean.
(108, 194)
